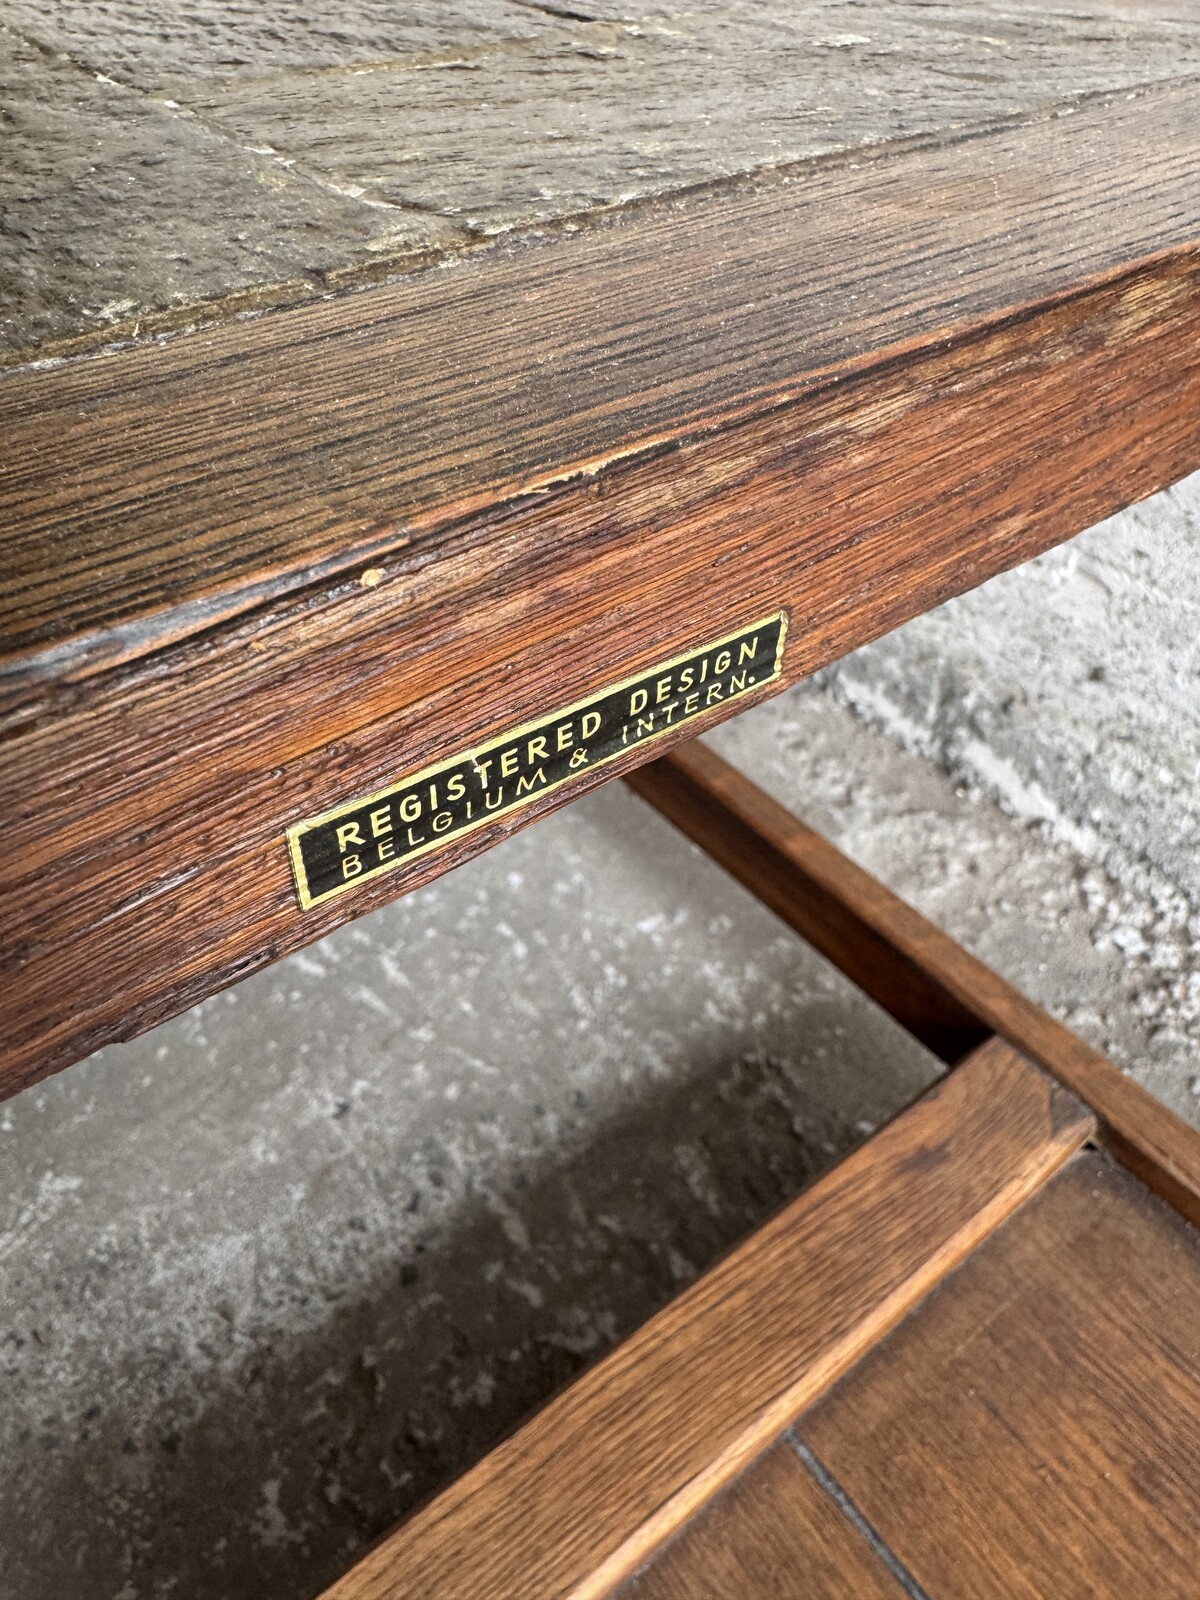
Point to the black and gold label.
(426, 810)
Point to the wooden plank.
(1034, 1428)
(457, 503)
(926, 981)
(774, 1535)
(576, 1500)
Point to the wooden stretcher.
(966, 1363)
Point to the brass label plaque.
(427, 810)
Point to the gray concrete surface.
(1069, 692)
(273, 1272)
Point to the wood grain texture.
(577, 1499)
(562, 466)
(1033, 1430)
(930, 984)
(773, 1535)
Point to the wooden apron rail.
(266, 569)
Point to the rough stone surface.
(276, 1270)
(593, 117)
(158, 45)
(92, 186)
(161, 156)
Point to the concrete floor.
(277, 1270)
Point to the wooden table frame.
(582, 1496)
(262, 569)
(265, 568)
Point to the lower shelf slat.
(773, 1536)
(573, 1503)
(1034, 1428)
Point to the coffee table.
(416, 418)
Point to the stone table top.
(166, 165)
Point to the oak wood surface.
(580, 1496)
(1033, 1430)
(929, 983)
(773, 1535)
(458, 502)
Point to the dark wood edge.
(930, 984)
(416, 518)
